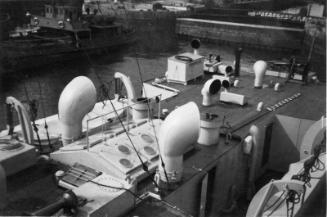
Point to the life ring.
(184, 58)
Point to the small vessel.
(62, 33)
(190, 144)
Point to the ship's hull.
(33, 53)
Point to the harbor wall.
(154, 31)
(248, 35)
(253, 4)
(254, 19)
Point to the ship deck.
(34, 187)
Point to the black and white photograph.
(163, 108)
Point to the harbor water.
(147, 56)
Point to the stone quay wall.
(251, 35)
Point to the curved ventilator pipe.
(179, 130)
(23, 117)
(225, 69)
(76, 100)
(209, 90)
(127, 83)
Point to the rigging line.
(33, 116)
(44, 115)
(154, 130)
(292, 198)
(144, 166)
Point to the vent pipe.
(225, 69)
(195, 44)
(127, 83)
(178, 132)
(209, 91)
(76, 100)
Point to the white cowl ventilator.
(76, 100)
(127, 83)
(140, 106)
(209, 90)
(179, 130)
(225, 69)
(259, 69)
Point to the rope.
(33, 108)
(154, 130)
(312, 164)
(144, 166)
(292, 198)
(104, 91)
(44, 115)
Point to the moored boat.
(62, 33)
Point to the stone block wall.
(244, 34)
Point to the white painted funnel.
(76, 100)
(179, 131)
